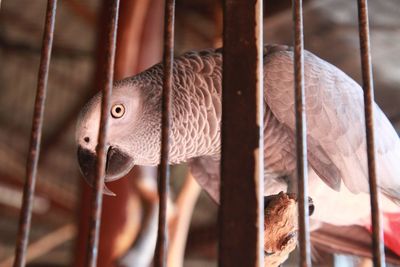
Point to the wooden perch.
(280, 228)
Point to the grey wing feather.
(197, 102)
(335, 122)
(200, 72)
(206, 171)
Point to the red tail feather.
(391, 233)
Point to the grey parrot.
(337, 158)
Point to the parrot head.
(125, 134)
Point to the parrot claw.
(107, 191)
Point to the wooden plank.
(241, 210)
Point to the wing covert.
(335, 121)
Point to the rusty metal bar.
(36, 134)
(97, 200)
(301, 130)
(241, 212)
(368, 86)
(160, 257)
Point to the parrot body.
(337, 158)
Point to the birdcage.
(241, 220)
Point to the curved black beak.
(87, 163)
(118, 164)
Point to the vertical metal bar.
(301, 130)
(163, 171)
(241, 212)
(97, 200)
(36, 134)
(368, 86)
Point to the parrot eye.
(117, 111)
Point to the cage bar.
(241, 211)
(301, 134)
(35, 139)
(160, 257)
(97, 200)
(368, 86)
